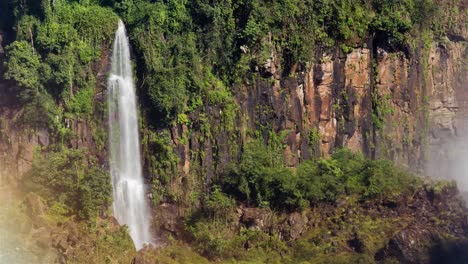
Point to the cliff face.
(409, 106)
(386, 105)
(18, 141)
(448, 110)
(404, 107)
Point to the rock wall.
(448, 111)
(18, 141)
(16, 144)
(386, 105)
(395, 105)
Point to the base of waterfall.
(128, 196)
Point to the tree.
(23, 65)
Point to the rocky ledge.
(428, 224)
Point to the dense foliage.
(71, 181)
(335, 187)
(260, 181)
(52, 59)
(184, 46)
(191, 57)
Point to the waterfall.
(130, 204)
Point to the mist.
(447, 155)
(18, 240)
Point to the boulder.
(256, 218)
(294, 226)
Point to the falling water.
(130, 205)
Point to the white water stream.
(130, 204)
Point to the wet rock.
(453, 252)
(408, 246)
(296, 224)
(71, 228)
(256, 218)
(113, 221)
(168, 221)
(390, 204)
(144, 256)
(2, 51)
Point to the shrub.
(321, 181)
(250, 179)
(256, 180)
(23, 65)
(52, 57)
(40, 111)
(55, 36)
(218, 205)
(82, 102)
(213, 239)
(261, 179)
(73, 178)
(382, 178)
(218, 240)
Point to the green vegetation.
(52, 58)
(194, 59)
(176, 252)
(174, 40)
(105, 243)
(23, 64)
(218, 241)
(188, 48)
(162, 162)
(373, 235)
(71, 181)
(213, 235)
(190, 55)
(260, 179)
